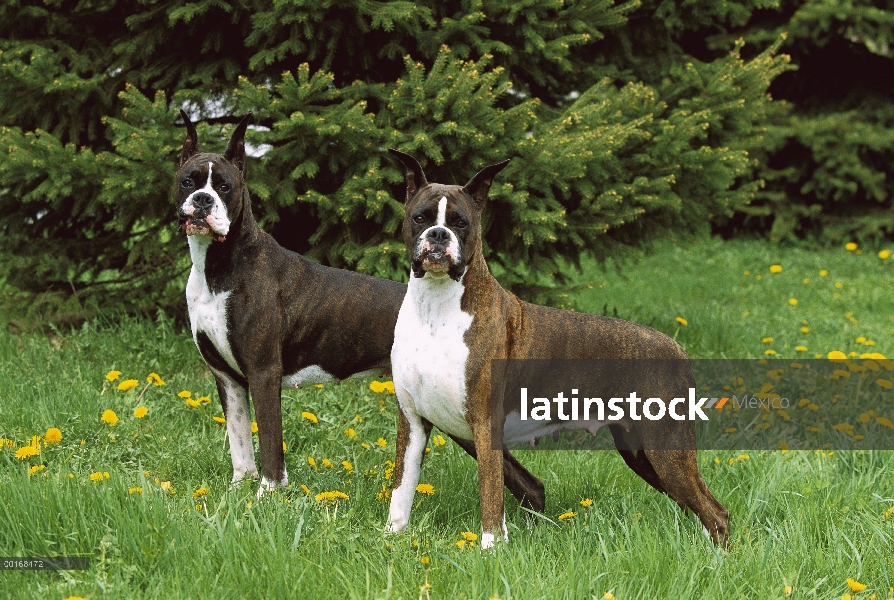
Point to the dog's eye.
(186, 183)
(223, 188)
(460, 224)
(419, 219)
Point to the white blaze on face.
(453, 252)
(217, 218)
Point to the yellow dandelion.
(310, 417)
(312, 462)
(884, 383)
(793, 301)
(113, 375)
(608, 596)
(366, 445)
(770, 352)
(350, 432)
(439, 440)
(166, 486)
(823, 273)
(731, 430)
(192, 402)
(184, 394)
(128, 384)
(884, 254)
(333, 495)
(836, 355)
(202, 491)
(36, 469)
(839, 285)
(382, 442)
(586, 502)
(787, 590)
(140, 412)
(284, 447)
(96, 476)
(469, 536)
(305, 489)
(884, 422)
(806, 280)
(747, 272)
(801, 348)
(347, 466)
(135, 490)
(850, 246)
(220, 419)
(204, 399)
(377, 386)
(52, 436)
(682, 321)
(155, 379)
(254, 426)
(775, 268)
(319, 386)
(425, 561)
(567, 515)
(767, 340)
(426, 488)
(855, 585)
(327, 463)
(461, 544)
(109, 416)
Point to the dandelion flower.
(770, 352)
(52, 436)
(767, 340)
(166, 486)
(567, 515)
(204, 400)
(306, 489)
(586, 502)
(839, 285)
(347, 466)
(184, 394)
(850, 246)
(377, 386)
(113, 375)
(327, 463)
(731, 430)
(140, 412)
(220, 419)
(608, 596)
(836, 355)
(382, 442)
(424, 560)
(884, 383)
(202, 491)
(96, 476)
(426, 488)
(155, 379)
(439, 440)
(109, 416)
(884, 254)
(682, 321)
(128, 384)
(284, 447)
(35, 469)
(310, 417)
(855, 585)
(793, 301)
(884, 422)
(312, 462)
(192, 402)
(469, 536)
(254, 426)
(823, 273)
(775, 268)
(461, 544)
(801, 348)
(350, 432)
(333, 495)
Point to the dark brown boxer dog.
(264, 318)
(456, 319)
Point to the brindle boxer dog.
(456, 319)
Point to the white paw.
(397, 523)
(268, 485)
(487, 541)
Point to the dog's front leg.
(490, 483)
(234, 401)
(265, 386)
(412, 435)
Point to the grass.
(809, 520)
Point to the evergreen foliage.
(616, 133)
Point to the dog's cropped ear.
(479, 185)
(415, 176)
(236, 148)
(191, 144)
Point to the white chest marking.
(207, 310)
(429, 355)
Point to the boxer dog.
(455, 319)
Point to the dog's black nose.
(203, 202)
(438, 235)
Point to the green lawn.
(809, 520)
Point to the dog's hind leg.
(678, 472)
(526, 488)
(630, 448)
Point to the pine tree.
(612, 142)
